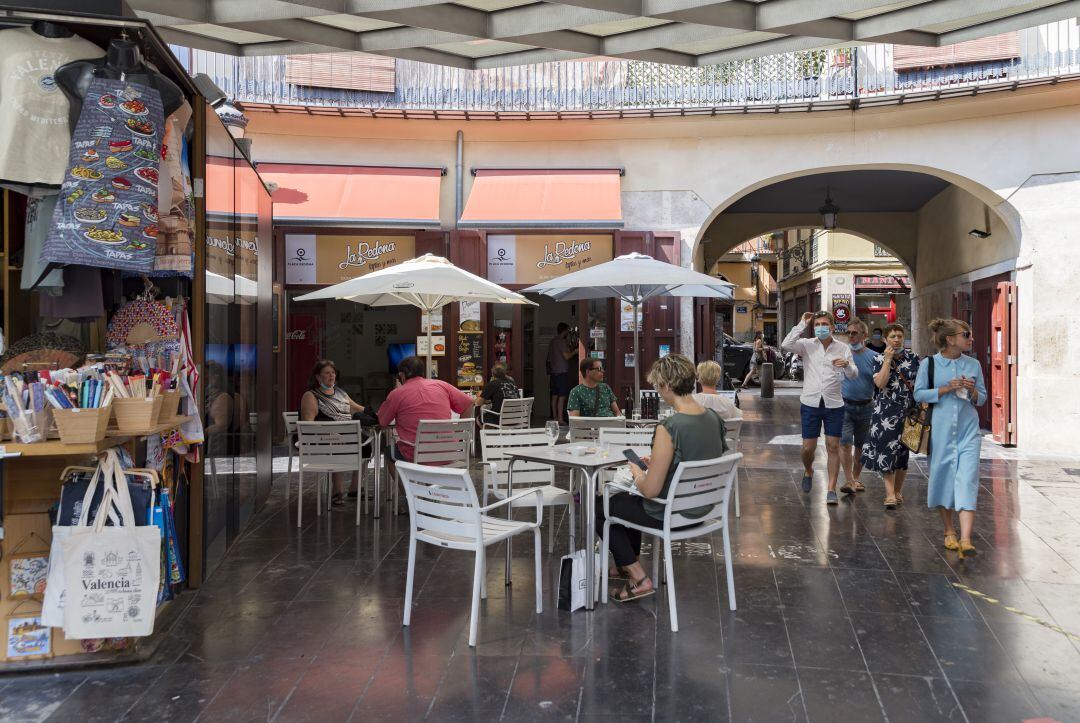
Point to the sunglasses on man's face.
(597, 369)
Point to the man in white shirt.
(825, 364)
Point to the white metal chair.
(733, 427)
(620, 438)
(328, 447)
(527, 475)
(291, 418)
(515, 414)
(442, 443)
(695, 484)
(588, 428)
(443, 511)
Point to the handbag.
(917, 422)
(571, 581)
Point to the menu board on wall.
(328, 259)
(469, 317)
(530, 259)
(470, 360)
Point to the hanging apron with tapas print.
(107, 215)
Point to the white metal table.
(590, 466)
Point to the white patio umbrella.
(633, 278)
(428, 283)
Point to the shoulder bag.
(917, 421)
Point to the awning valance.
(544, 198)
(354, 195)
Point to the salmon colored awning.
(544, 198)
(368, 195)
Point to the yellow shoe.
(951, 543)
(967, 549)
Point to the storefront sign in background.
(438, 346)
(882, 283)
(626, 320)
(841, 310)
(324, 259)
(530, 259)
(469, 317)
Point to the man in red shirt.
(418, 398)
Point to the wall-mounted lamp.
(829, 212)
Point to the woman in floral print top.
(894, 376)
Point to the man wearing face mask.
(858, 395)
(876, 342)
(825, 363)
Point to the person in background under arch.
(501, 386)
(955, 441)
(325, 401)
(560, 352)
(876, 342)
(756, 359)
(858, 407)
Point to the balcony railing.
(801, 80)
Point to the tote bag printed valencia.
(112, 573)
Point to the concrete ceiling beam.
(191, 40)
(769, 47)
(562, 40)
(446, 17)
(302, 31)
(427, 55)
(545, 18)
(663, 36)
(736, 14)
(1051, 14)
(526, 57)
(375, 41)
(925, 15)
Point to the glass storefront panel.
(237, 387)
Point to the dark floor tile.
(618, 685)
(808, 589)
(475, 684)
(757, 637)
(182, 692)
(873, 591)
(546, 687)
(765, 693)
(689, 692)
(857, 557)
(35, 698)
(968, 650)
(894, 644)
(934, 595)
(256, 690)
(329, 690)
(824, 640)
(993, 702)
(908, 699)
(106, 695)
(828, 694)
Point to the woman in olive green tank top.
(691, 433)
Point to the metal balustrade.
(804, 80)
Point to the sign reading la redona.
(530, 259)
(326, 259)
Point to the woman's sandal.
(967, 549)
(633, 590)
(950, 542)
(337, 500)
(890, 503)
(617, 573)
(899, 498)
(858, 486)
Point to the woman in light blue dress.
(954, 434)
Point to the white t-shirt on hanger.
(34, 129)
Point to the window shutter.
(348, 71)
(997, 47)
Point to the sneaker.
(807, 483)
(831, 499)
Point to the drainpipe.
(459, 180)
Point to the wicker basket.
(135, 416)
(170, 403)
(82, 426)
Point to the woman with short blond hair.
(709, 374)
(953, 384)
(691, 433)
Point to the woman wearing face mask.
(325, 401)
(894, 376)
(877, 341)
(954, 433)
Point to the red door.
(303, 342)
(982, 348)
(1003, 362)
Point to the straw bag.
(917, 422)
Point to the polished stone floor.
(848, 613)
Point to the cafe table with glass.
(589, 459)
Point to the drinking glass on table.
(551, 429)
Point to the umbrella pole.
(637, 360)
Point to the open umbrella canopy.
(428, 282)
(633, 278)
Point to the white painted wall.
(1015, 152)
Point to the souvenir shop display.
(45, 348)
